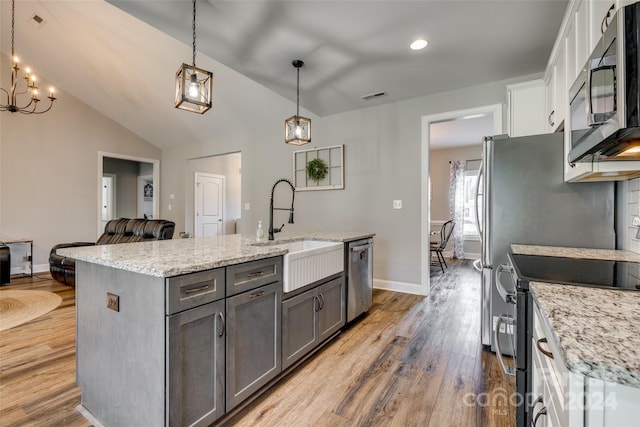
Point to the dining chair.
(439, 247)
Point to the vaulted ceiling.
(120, 56)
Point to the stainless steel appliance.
(526, 201)
(359, 277)
(523, 269)
(604, 102)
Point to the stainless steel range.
(523, 269)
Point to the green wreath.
(317, 169)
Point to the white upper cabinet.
(580, 31)
(526, 108)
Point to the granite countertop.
(166, 258)
(597, 330)
(559, 251)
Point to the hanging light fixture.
(30, 82)
(194, 86)
(297, 129)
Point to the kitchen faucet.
(271, 208)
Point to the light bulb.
(52, 91)
(298, 131)
(194, 87)
(193, 90)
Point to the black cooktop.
(577, 271)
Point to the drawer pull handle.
(321, 299)
(193, 290)
(542, 411)
(542, 350)
(256, 274)
(223, 324)
(538, 400)
(316, 304)
(256, 295)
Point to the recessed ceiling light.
(419, 44)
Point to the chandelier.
(30, 82)
(297, 129)
(194, 86)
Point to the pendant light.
(30, 82)
(194, 86)
(297, 129)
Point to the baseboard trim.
(40, 268)
(404, 287)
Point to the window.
(469, 228)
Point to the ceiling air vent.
(37, 20)
(373, 95)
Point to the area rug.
(18, 306)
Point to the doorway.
(209, 204)
(129, 198)
(456, 125)
(223, 165)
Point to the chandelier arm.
(44, 111)
(31, 101)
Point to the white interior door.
(209, 201)
(108, 198)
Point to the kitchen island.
(180, 332)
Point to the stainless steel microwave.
(604, 102)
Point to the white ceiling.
(461, 132)
(123, 66)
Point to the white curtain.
(456, 207)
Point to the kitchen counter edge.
(167, 258)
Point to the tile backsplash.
(631, 242)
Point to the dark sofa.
(122, 230)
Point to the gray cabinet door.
(195, 365)
(253, 341)
(299, 326)
(332, 313)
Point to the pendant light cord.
(13, 27)
(193, 26)
(298, 95)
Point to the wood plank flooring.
(411, 361)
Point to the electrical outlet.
(397, 204)
(247, 206)
(636, 221)
(113, 302)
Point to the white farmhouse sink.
(309, 261)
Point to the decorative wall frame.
(333, 158)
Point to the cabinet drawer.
(191, 290)
(251, 275)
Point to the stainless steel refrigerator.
(522, 198)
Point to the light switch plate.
(397, 204)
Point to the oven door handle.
(508, 370)
(507, 296)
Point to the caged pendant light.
(30, 86)
(297, 129)
(194, 86)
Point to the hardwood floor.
(411, 361)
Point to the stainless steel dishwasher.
(360, 278)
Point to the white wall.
(49, 171)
